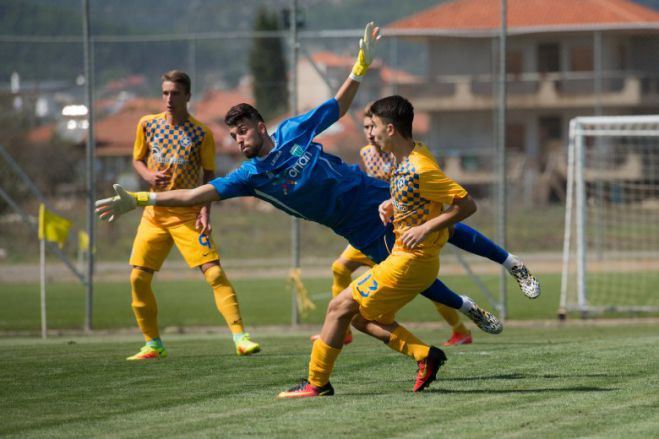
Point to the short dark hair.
(395, 110)
(240, 112)
(367, 110)
(178, 77)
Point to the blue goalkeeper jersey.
(298, 177)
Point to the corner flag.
(53, 227)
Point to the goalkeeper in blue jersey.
(293, 173)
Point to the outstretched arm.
(203, 194)
(348, 90)
(109, 209)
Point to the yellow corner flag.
(53, 227)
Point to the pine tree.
(268, 67)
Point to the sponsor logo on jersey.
(300, 164)
(287, 178)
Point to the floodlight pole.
(91, 178)
(295, 222)
(502, 195)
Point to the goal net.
(611, 240)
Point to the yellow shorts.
(354, 255)
(388, 286)
(153, 242)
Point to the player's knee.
(140, 280)
(360, 323)
(215, 276)
(342, 306)
(340, 268)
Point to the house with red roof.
(319, 77)
(115, 133)
(321, 74)
(565, 58)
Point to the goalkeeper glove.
(366, 51)
(109, 209)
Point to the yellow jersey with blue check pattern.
(182, 150)
(420, 191)
(377, 163)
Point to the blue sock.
(439, 292)
(473, 241)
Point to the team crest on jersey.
(155, 151)
(185, 141)
(297, 150)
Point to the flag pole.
(42, 270)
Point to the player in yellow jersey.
(424, 204)
(173, 150)
(380, 164)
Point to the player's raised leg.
(486, 321)
(472, 241)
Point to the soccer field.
(187, 303)
(593, 381)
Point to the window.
(515, 137)
(581, 59)
(551, 128)
(549, 58)
(514, 62)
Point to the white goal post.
(611, 235)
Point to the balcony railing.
(535, 90)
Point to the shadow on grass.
(538, 390)
(523, 376)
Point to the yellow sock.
(322, 361)
(144, 303)
(225, 298)
(403, 341)
(452, 317)
(341, 278)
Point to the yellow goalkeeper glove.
(366, 51)
(109, 209)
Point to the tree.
(268, 67)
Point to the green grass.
(531, 382)
(263, 302)
(190, 303)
